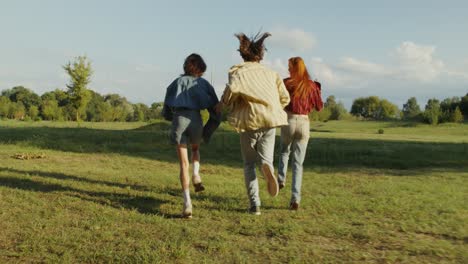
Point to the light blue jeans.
(256, 146)
(294, 138)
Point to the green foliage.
(205, 115)
(33, 112)
(120, 110)
(23, 95)
(380, 131)
(4, 106)
(140, 112)
(432, 111)
(50, 110)
(457, 116)
(80, 76)
(331, 111)
(373, 107)
(464, 106)
(411, 110)
(155, 111)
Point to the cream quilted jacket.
(256, 96)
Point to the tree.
(25, 96)
(17, 111)
(411, 109)
(332, 110)
(121, 109)
(33, 112)
(457, 116)
(432, 111)
(464, 106)
(330, 102)
(386, 111)
(80, 76)
(140, 112)
(368, 107)
(4, 106)
(50, 110)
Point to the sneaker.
(280, 185)
(294, 206)
(187, 212)
(272, 184)
(255, 210)
(199, 187)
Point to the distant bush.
(380, 131)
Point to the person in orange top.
(305, 97)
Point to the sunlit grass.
(109, 192)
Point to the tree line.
(80, 103)
(74, 104)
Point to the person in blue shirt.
(185, 97)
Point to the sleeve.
(317, 96)
(212, 94)
(282, 91)
(228, 97)
(171, 91)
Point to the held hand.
(219, 108)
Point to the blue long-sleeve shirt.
(195, 93)
(191, 92)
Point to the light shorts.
(187, 127)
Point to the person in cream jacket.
(256, 96)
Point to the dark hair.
(252, 49)
(194, 65)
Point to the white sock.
(187, 200)
(196, 172)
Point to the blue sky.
(392, 49)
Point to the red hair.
(299, 79)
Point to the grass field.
(109, 192)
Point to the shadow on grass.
(63, 176)
(118, 200)
(151, 142)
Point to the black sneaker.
(280, 185)
(294, 206)
(199, 187)
(255, 210)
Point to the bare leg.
(196, 164)
(185, 179)
(184, 166)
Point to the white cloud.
(361, 66)
(278, 65)
(417, 62)
(295, 39)
(318, 69)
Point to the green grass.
(109, 192)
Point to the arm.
(317, 96)
(171, 90)
(282, 91)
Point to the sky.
(391, 49)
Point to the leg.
(265, 150)
(299, 153)
(182, 153)
(185, 179)
(196, 179)
(194, 132)
(285, 150)
(248, 144)
(196, 163)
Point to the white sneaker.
(272, 183)
(187, 212)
